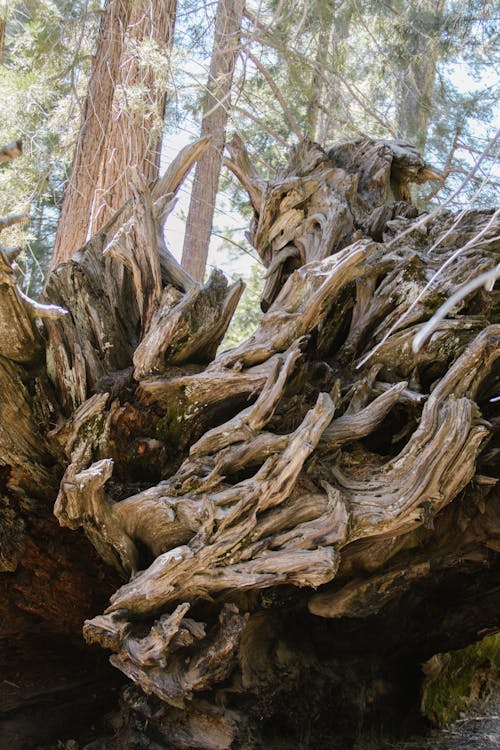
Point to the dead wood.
(322, 452)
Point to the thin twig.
(274, 88)
(486, 279)
(11, 219)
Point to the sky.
(228, 217)
(225, 217)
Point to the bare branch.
(11, 219)
(486, 279)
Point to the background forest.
(423, 72)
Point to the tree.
(3, 21)
(325, 451)
(47, 47)
(379, 62)
(122, 119)
(215, 116)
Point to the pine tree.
(216, 107)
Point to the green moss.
(433, 302)
(463, 677)
(169, 427)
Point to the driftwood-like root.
(253, 505)
(160, 662)
(322, 452)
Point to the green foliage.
(372, 69)
(343, 69)
(248, 312)
(42, 81)
(464, 677)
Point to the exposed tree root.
(321, 452)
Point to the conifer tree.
(122, 119)
(216, 108)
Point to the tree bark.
(134, 141)
(73, 226)
(266, 516)
(216, 110)
(121, 127)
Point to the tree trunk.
(134, 140)
(122, 120)
(215, 116)
(290, 527)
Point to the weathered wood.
(113, 286)
(322, 452)
(320, 201)
(159, 662)
(187, 329)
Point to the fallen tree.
(285, 530)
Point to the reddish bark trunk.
(121, 128)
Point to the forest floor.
(476, 729)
